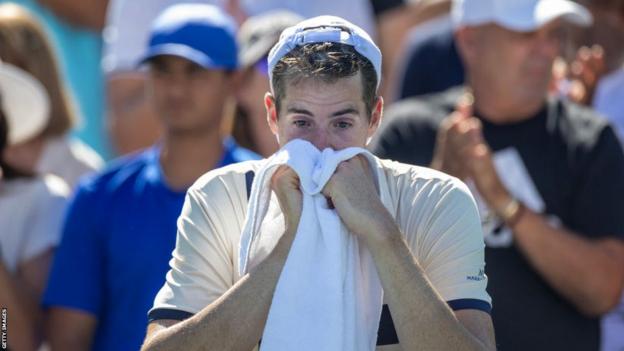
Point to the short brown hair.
(326, 62)
(23, 43)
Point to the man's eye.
(301, 123)
(343, 125)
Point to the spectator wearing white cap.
(120, 228)
(31, 210)
(419, 227)
(24, 43)
(546, 173)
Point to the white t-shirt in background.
(68, 159)
(31, 217)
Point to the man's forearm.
(22, 327)
(236, 320)
(414, 304)
(588, 273)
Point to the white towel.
(328, 296)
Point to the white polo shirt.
(435, 212)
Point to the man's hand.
(481, 170)
(457, 137)
(285, 184)
(462, 151)
(579, 79)
(352, 191)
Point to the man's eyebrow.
(345, 111)
(299, 110)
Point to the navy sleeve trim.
(470, 304)
(167, 313)
(249, 177)
(386, 334)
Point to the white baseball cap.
(323, 29)
(518, 15)
(25, 103)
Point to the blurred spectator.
(24, 44)
(397, 29)
(121, 225)
(431, 63)
(546, 173)
(132, 122)
(131, 119)
(256, 37)
(31, 210)
(74, 30)
(87, 14)
(596, 73)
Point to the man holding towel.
(419, 227)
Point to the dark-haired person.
(31, 210)
(120, 228)
(428, 253)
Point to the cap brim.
(25, 104)
(182, 51)
(546, 11)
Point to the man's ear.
(466, 40)
(271, 110)
(376, 116)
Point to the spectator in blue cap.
(120, 228)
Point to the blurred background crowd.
(82, 105)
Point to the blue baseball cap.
(323, 29)
(201, 33)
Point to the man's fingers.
(464, 105)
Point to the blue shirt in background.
(118, 237)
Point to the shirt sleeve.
(446, 237)
(76, 277)
(202, 267)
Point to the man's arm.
(414, 303)
(416, 307)
(589, 273)
(22, 336)
(69, 329)
(235, 321)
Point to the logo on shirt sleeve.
(479, 277)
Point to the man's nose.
(177, 85)
(320, 139)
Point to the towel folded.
(328, 296)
